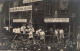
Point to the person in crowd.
(31, 31)
(18, 30)
(23, 29)
(52, 35)
(14, 30)
(47, 38)
(56, 35)
(61, 31)
(37, 34)
(42, 35)
(30, 35)
(61, 50)
(78, 41)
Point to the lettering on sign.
(19, 20)
(28, 1)
(51, 20)
(22, 8)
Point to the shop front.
(57, 26)
(17, 24)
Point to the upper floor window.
(48, 8)
(63, 4)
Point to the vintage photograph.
(39, 25)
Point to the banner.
(28, 1)
(56, 20)
(22, 8)
(63, 4)
(19, 20)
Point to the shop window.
(64, 12)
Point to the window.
(48, 8)
(63, 4)
(15, 3)
(37, 4)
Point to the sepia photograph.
(39, 25)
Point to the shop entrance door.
(51, 27)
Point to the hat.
(40, 29)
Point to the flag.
(1, 7)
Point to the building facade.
(46, 14)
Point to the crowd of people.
(40, 35)
(51, 35)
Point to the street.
(8, 42)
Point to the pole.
(31, 18)
(69, 33)
(9, 19)
(30, 21)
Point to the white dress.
(30, 34)
(18, 30)
(61, 33)
(42, 35)
(56, 32)
(24, 29)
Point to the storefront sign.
(55, 20)
(19, 20)
(28, 1)
(22, 8)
